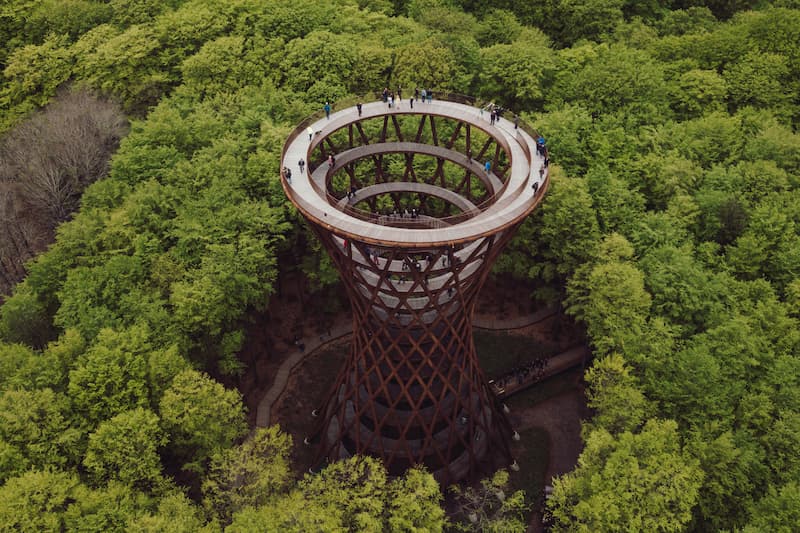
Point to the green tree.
(697, 92)
(781, 440)
(615, 395)
(24, 319)
(778, 511)
(287, 19)
(109, 508)
(127, 13)
(733, 469)
(775, 142)
(610, 298)
(224, 64)
(769, 245)
(320, 55)
(200, 417)
(618, 207)
(35, 428)
(635, 481)
(617, 79)
(111, 377)
(290, 513)
(356, 487)
(413, 502)
(682, 290)
(125, 448)
(516, 74)
(248, 475)
(710, 139)
(32, 75)
(127, 67)
(162, 367)
(569, 229)
(36, 501)
(488, 508)
(175, 513)
(587, 20)
(441, 17)
(427, 64)
(759, 79)
(70, 17)
(350, 495)
(568, 131)
(109, 295)
(723, 217)
(12, 358)
(498, 26)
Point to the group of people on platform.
(393, 98)
(531, 372)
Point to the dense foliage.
(672, 231)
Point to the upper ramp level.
(512, 199)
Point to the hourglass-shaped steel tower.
(413, 245)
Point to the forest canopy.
(671, 232)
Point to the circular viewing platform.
(511, 196)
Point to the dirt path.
(560, 416)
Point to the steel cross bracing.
(412, 391)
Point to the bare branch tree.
(45, 164)
(60, 150)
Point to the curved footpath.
(343, 328)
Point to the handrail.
(353, 100)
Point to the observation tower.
(413, 221)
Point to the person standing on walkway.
(391, 100)
(287, 173)
(327, 110)
(516, 122)
(310, 132)
(492, 117)
(411, 102)
(488, 166)
(385, 94)
(301, 164)
(358, 106)
(399, 94)
(430, 96)
(416, 93)
(424, 95)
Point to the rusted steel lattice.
(413, 221)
